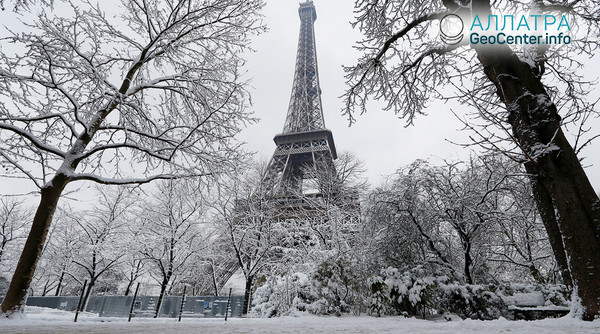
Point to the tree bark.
(247, 292)
(214, 279)
(14, 300)
(163, 288)
(546, 209)
(87, 294)
(59, 285)
(45, 290)
(468, 261)
(128, 288)
(554, 168)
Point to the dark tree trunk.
(468, 262)
(577, 218)
(46, 289)
(214, 279)
(87, 293)
(247, 293)
(556, 172)
(163, 288)
(3, 246)
(59, 286)
(128, 288)
(23, 275)
(546, 210)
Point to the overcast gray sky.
(378, 138)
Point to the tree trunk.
(554, 168)
(60, 280)
(2, 247)
(577, 220)
(546, 209)
(247, 292)
(134, 274)
(17, 292)
(163, 288)
(45, 290)
(214, 279)
(128, 288)
(468, 261)
(87, 294)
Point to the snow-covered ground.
(42, 320)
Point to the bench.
(536, 313)
(531, 306)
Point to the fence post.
(228, 302)
(182, 302)
(80, 300)
(133, 301)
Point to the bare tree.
(56, 262)
(521, 246)
(171, 232)
(133, 265)
(414, 210)
(253, 226)
(212, 268)
(200, 277)
(84, 95)
(518, 92)
(14, 217)
(389, 239)
(444, 214)
(100, 246)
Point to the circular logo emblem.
(451, 29)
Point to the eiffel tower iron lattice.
(304, 142)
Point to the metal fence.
(145, 306)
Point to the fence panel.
(145, 306)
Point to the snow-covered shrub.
(264, 301)
(490, 302)
(470, 301)
(285, 294)
(379, 299)
(420, 291)
(335, 286)
(340, 287)
(556, 294)
(409, 292)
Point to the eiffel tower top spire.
(305, 112)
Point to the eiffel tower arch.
(304, 141)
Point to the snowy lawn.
(41, 320)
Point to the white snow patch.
(43, 320)
(525, 299)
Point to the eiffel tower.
(304, 141)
